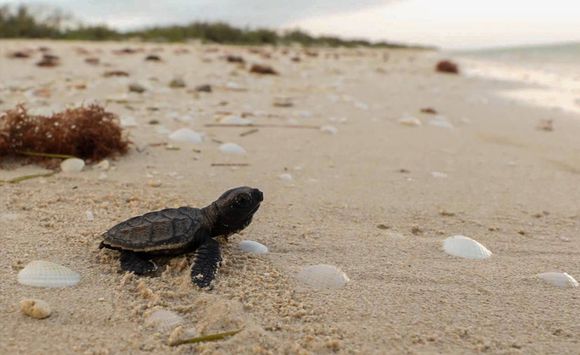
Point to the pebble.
(103, 165)
(35, 308)
(250, 246)
(137, 88)
(177, 83)
(323, 276)
(72, 165)
(232, 148)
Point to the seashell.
(72, 165)
(410, 121)
(237, 120)
(34, 308)
(186, 135)
(323, 277)
(40, 273)
(285, 177)
(329, 129)
(232, 148)
(250, 246)
(164, 320)
(90, 216)
(128, 121)
(8, 216)
(560, 279)
(465, 247)
(440, 121)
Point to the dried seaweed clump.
(85, 132)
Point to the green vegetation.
(22, 22)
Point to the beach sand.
(493, 177)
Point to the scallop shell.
(323, 277)
(40, 273)
(164, 320)
(72, 165)
(186, 135)
(232, 148)
(465, 247)
(250, 246)
(560, 279)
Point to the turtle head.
(234, 209)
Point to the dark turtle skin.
(175, 231)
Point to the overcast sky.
(445, 23)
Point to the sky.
(453, 24)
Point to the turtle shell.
(165, 230)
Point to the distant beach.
(551, 73)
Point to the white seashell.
(128, 121)
(323, 277)
(237, 120)
(232, 148)
(250, 246)
(35, 308)
(164, 320)
(560, 279)
(440, 121)
(40, 273)
(72, 165)
(410, 121)
(186, 135)
(285, 177)
(439, 175)
(90, 216)
(329, 129)
(465, 247)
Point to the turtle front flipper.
(206, 262)
(133, 262)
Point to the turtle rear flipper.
(133, 262)
(206, 262)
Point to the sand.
(505, 183)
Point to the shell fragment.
(465, 247)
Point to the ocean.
(550, 74)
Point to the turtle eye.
(243, 201)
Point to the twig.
(262, 125)
(230, 164)
(46, 155)
(247, 133)
(211, 337)
(26, 177)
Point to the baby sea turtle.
(174, 231)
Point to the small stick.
(26, 177)
(263, 125)
(247, 133)
(46, 155)
(230, 164)
(211, 337)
